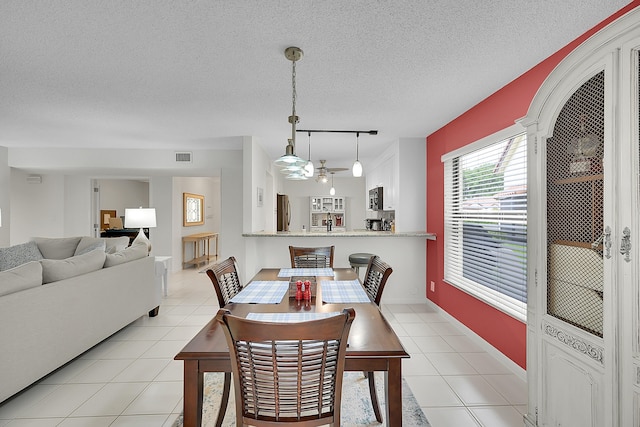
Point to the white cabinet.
(323, 208)
(583, 320)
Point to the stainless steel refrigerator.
(284, 213)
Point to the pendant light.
(332, 192)
(308, 169)
(357, 166)
(289, 159)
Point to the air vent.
(183, 157)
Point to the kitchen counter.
(405, 252)
(354, 233)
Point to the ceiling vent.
(183, 157)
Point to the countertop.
(354, 233)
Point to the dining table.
(372, 346)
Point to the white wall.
(5, 197)
(121, 194)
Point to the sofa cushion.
(57, 248)
(60, 269)
(16, 255)
(116, 244)
(87, 244)
(135, 251)
(23, 277)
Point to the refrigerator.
(284, 212)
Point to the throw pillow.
(135, 251)
(87, 244)
(60, 269)
(57, 248)
(23, 277)
(115, 244)
(16, 255)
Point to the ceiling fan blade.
(337, 169)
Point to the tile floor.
(132, 380)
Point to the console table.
(200, 241)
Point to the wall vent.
(183, 157)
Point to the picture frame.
(105, 215)
(260, 197)
(193, 209)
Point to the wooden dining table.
(372, 346)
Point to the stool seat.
(360, 259)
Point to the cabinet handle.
(625, 245)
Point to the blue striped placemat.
(290, 272)
(289, 317)
(343, 291)
(262, 292)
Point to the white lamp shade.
(308, 169)
(140, 218)
(332, 191)
(357, 169)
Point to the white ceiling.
(195, 74)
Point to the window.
(486, 222)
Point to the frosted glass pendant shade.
(357, 168)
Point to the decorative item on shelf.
(332, 191)
(292, 164)
(357, 166)
(140, 218)
(583, 148)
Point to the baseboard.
(510, 364)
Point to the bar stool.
(359, 260)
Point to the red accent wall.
(495, 113)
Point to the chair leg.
(374, 396)
(224, 399)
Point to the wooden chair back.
(311, 257)
(376, 277)
(225, 279)
(287, 372)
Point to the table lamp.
(140, 218)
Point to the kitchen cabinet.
(321, 207)
(583, 315)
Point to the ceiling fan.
(323, 172)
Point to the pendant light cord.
(293, 118)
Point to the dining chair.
(375, 279)
(287, 373)
(226, 282)
(225, 279)
(311, 257)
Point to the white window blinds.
(486, 224)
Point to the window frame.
(501, 301)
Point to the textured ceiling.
(196, 74)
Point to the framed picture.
(193, 206)
(260, 197)
(105, 216)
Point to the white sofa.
(45, 326)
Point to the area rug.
(356, 403)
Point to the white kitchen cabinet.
(323, 207)
(583, 318)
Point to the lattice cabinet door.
(575, 202)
